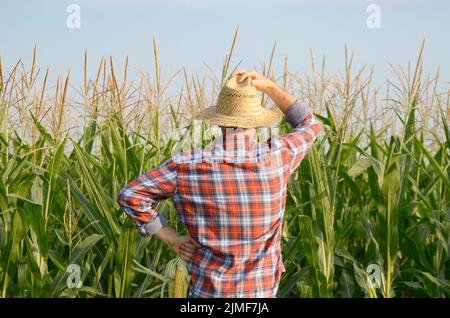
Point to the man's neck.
(230, 132)
(231, 136)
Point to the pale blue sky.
(191, 33)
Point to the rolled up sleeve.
(296, 113)
(306, 129)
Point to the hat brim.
(263, 118)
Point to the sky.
(196, 33)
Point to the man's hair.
(234, 128)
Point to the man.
(232, 200)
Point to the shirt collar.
(236, 139)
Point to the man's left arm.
(138, 198)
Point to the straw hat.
(239, 105)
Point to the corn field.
(373, 195)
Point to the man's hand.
(260, 82)
(282, 99)
(184, 246)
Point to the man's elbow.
(318, 124)
(321, 126)
(122, 197)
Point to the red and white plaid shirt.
(231, 198)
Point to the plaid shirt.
(231, 198)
